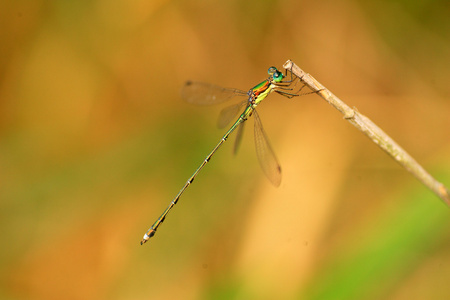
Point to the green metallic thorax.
(260, 91)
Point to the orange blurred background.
(95, 143)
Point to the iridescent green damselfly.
(203, 93)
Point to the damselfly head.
(275, 75)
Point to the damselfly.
(203, 93)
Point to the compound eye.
(277, 76)
(272, 70)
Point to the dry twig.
(373, 132)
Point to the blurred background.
(95, 142)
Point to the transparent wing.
(266, 156)
(229, 113)
(238, 140)
(206, 94)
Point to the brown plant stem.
(373, 132)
